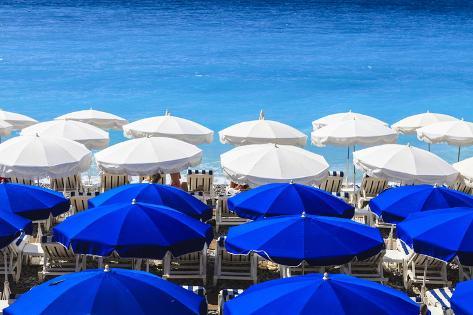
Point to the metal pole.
(354, 173)
(459, 150)
(348, 165)
(428, 146)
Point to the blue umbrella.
(395, 204)
(12, 226)
(443, 234)
(109, 291)
(134, 230)
(291, 240)
(461, 301)
(286, 199)
(156, 194)
(32, 202)
(317, 294)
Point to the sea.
(221, 62)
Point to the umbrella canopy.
(262, 131)
(457, 132)
(465, 168)
(109, 291)
(169, 126)
(319, 241)
(161, 195)
(12, 226)
(90, 136)
(395, 204)
(147, 156)
(339, 117)
(32, 202)
(285, 199)
(35, 156)
(409, 125)
(317, 294)
(18, 121)
(259, 164)
(443, 234)
(404, 163)
(103, 230)
(96, 118)
(461, 299)
(5, 128)
(353, 132)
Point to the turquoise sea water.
(220, 62)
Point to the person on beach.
(153, 179)
(176, 180)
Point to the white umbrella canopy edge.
(100, 119)
(259, 164)
(38, 157)
(89, 135)
(458, 133)
(171, 127)
(410, 124)
(148, 156)
(262, 131)
(405, 164)
(465, 167)
(344, 116)
(18, 121)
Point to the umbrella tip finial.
(303, 214)
(167, 113)
(325, 276)
(133, 201)
(107, 268)
(291, 182)
(261, 115)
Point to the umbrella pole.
(347, 169)
(428, 146)
(354, 174)
(459, 151)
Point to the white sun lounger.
(79, 200)
(234, 267)
(67, 184)
(109, 181)
(333, 183)
(188, 266)
(224, 217)
(368, 269)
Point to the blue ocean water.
(220, 62)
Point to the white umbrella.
(335, 118)
(262, 131)
(97, 118)
(18, 121)
(35, 157)
(458, 133)
(259, 164)
(147, 156)
(465, 168)
(5, 128)
(351, 133)
(409, 125)
(405, 164)
(169, 126)
(90, 136)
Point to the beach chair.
(461, 185)
(368, 269)
(224, 217)
(59, 260)
(370, 188)
(188, 266)
(425, 270)
(80, 200)
(200, 181)
(396, 253)
(438, 301)
(333, 183)
(67, 184)
(304, 268)
(226, 295)
(24, 181)
(199, 195)
(161, 181)
(363, 216)
(197, 290)
(234, 267)
(109, 181)
(10, 258)
(464, 272)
